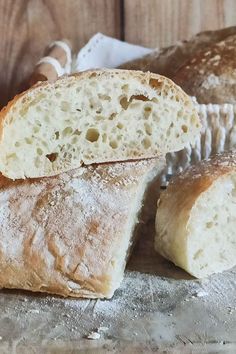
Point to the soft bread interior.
(94, 117)
(211, 238)
(131, 229)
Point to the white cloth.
(106, 52)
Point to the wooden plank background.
(28, 26)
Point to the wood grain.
(155, 23)
(28, 26)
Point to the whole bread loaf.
(94, 117)
(210, 75)
(168, 60)
(196, 217)
(71, 234)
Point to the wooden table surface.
(27, 26)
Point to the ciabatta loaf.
(210, 74)
(94, 117)
(71, 234)
(196, 217)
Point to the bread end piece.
(196, 217)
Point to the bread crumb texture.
(94, 117)
(201, 236)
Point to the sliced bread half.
(94, 117)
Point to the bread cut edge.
(190, 237)
(139, 122)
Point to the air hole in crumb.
(11, 156)
(36, 129)
(180, 114)
(193, 119)
(74, 140)
(112, 116)
(125, 87)
(28, 141)
(148, 129)
(78, 109)
(147, 108)
(24, 111)
(37, 162)
(99, 117)
(57, 134)
(209, 224)
(76, 132)
(120, 126)
(156, 84)
(39, 151)
(198, 254)
(146, 143)
(113, 144)
(17, 144)
(124, 102)
(184, 128)
(52, 157)
(104, 138)
(138, 98)
(67, 131)
(65, 107)
(92, 135)
(104, 97)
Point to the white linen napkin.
(105, 52)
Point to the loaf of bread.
(71, 234)
(196, 217)
(94, 117)
(210, 75)
(168, 60)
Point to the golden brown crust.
(185, 187)
(167, 61)
(210, 74)
(127, 73)
(65, 234)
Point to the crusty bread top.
(70, 234)
(168, 60)
(94, 117)
(210, 74)
(185, 187)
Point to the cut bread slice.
(196, 217)
(71, 234)
(94, 117)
